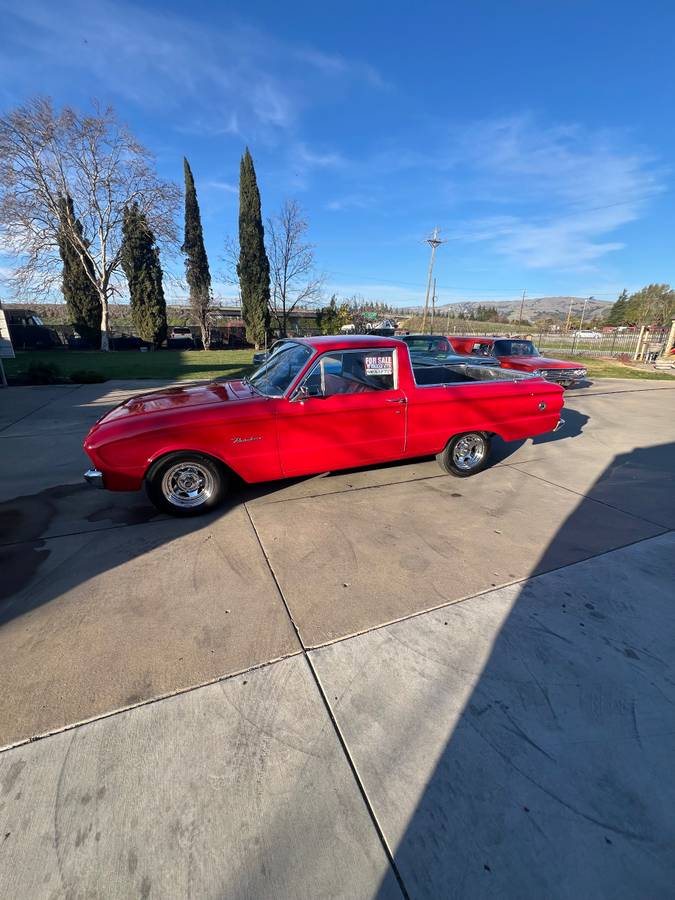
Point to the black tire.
(465, 454)
(186, 483)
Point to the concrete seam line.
(626, 391)
(563, 487)
(142, 703)
(336, 728)
(365, 487)
(42, 406)
(357, 778)
(490, 590)
(53, 537)
(303, 650)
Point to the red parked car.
(522, 355)
(318, 404)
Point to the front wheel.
(465, 454)
(186, 484)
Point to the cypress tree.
(619, 311)
(79, 291)
(253, 267)
(196, 262)
(139, 257)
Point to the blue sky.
(537, 134)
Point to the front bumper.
(564, 377)
(94, 477)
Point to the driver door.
(347, 412)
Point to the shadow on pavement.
(556, 779)
(26, 522)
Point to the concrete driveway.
(378, 683)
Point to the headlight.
(580, 373)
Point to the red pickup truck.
(317, 404)
(520, 354)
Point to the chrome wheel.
(469, 452)
(187, 485)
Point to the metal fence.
(617, 343)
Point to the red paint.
(263, 439)
(466, 344)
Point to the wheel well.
(488, 435)
(163, 456)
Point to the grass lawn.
(171, 364)
(180, 365)
(612, 368)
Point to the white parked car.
(588, 334)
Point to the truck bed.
(428, 376)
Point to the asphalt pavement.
(378, 683)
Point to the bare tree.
(46, 156)
(294, 280)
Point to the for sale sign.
(380, 365)
(6, 348)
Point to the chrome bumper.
(560, 424)
(94, 477)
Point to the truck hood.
(539, 362)
(180, 398)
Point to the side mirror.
(308, 391)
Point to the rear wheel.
(186, 484)
(465, 454)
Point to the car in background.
(120, 341)
(434, 349)
(28, 331)
(522, 355)
(180, 338)
(260, 356)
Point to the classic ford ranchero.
(317, 404)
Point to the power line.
(376, 279)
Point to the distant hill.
(536, 308)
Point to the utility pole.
(583, 313)
(433, 307)
(520, 317)
(569, 316)
(433, 241)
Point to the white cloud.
(225, 186)
(332, 64)
(213, 79)
(316, 159)
(349, 201)
(568, 189)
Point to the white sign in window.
(379, 365)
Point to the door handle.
(397, 400)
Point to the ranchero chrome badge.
(245, 440)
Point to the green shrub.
(43, 373)
(87, 376)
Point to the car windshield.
(426, 344)
(276, 374)
(515, 348)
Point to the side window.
(351, 373)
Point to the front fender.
(249, 449)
